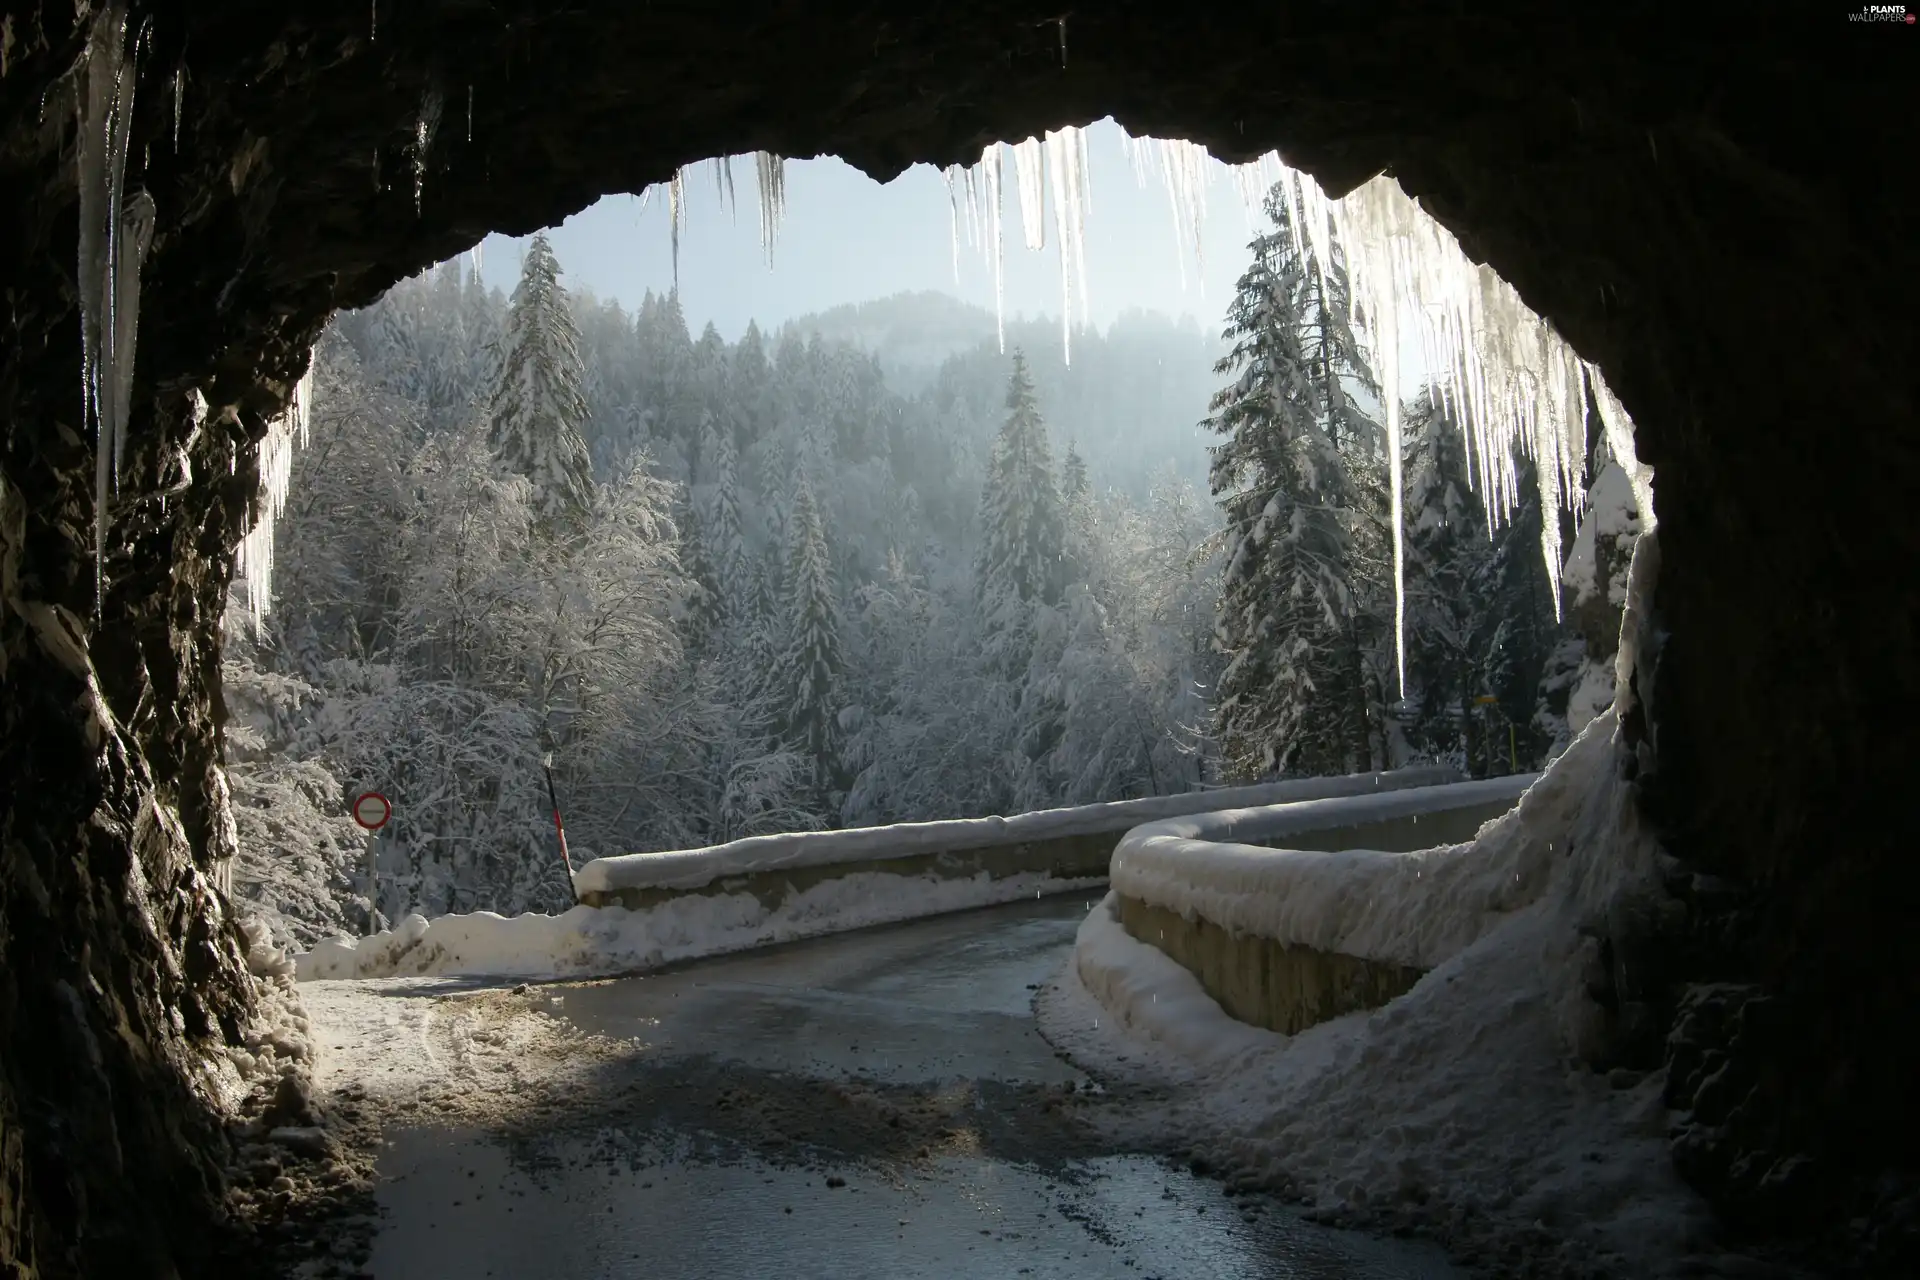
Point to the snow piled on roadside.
(589, 941)
(1464, 1107)
(1407, 908)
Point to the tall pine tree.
(1293, 696)
(538, 409)
(1021, 525)
(810, 667)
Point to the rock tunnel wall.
(1713, 212)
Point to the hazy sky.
(846, 238)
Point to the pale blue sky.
(846, 238)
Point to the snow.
(604, 940)
(1158, 999)
(1405, 908)
(694, 868)
(1463, 1106)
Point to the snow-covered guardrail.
(1073, 843)
(1294, 913)
(641, 910)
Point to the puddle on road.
(464, 1205)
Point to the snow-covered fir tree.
(1022, 532)
(538, 408)
(810, 666)
(1292, 697)
(1073, 475)
(726, 546)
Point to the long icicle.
(990, 161)
(1057, 145)
(770, 169)
(112, 244)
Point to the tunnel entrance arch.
(1713, 220)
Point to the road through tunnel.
(1714, 219)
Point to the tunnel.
(1711, 206)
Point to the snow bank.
(1156, 998)
(603, 940)
(696, 868)
(1462, 1106)
(1406, 908)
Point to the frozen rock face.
(1715, 219)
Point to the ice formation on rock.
(254, 559)
(113, 238)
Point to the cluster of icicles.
(114, 235)
(1503, 372)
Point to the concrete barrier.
(1292, 914)
(1070, 847)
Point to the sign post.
(559, 828)
(372, 810)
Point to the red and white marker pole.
(559, 828)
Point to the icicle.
(771, 171)
(475, 254)
(1184, 168)
(990, 161)
(179, 99)
(1080, 196)
(1384, 317)
(1028, 167)
(469, 113)
(1619, 432)
(953, 219)
(733, 202)
(253, 560)
(676, 216)
(373, 22)
(111, 247)
(1056, 168)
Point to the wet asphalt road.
(875, 1104)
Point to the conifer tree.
(725, 538)
(1073, 477)
(810, 666)
(537, 409)
(1291, 698)
(1021, 525)
(703, 613)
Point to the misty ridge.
(866, 568)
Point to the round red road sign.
(372, 810)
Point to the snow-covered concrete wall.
(644, 910)
(1058, 841)
(1362, 895)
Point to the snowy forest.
(868, 569)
